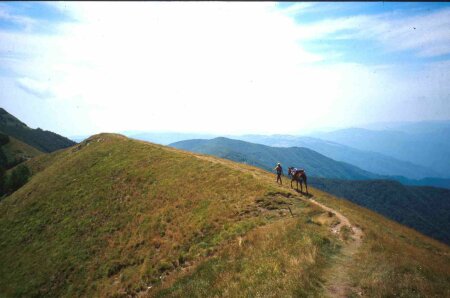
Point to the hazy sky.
(83, 68)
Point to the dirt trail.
(338, 282)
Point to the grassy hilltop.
(115, 217)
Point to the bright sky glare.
(226, 68)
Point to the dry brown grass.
(284, 259)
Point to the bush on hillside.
(8, 164)
(4, 139)
(18, 177)
(15, 162)
(2, 181)
(3, 159)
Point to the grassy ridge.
(114, 215)
(117, 217)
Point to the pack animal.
(299, 176)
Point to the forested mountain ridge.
(43, 140)
(266, 157)
(370, 161)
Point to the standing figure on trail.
(298, 176)
(279, 170)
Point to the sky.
(80, 68)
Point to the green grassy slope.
(266, 157)
(45, 141)
(116, 217)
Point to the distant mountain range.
(413, 150)
(370, 161)
(409, 127)
(266, 157)
(316, 164)
(166, 137)
(42, 140)
(428, 145)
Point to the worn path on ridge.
(338, 283)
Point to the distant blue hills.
(374, 162)
(424, 144)
(317, 164)
(266, 157)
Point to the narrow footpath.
(338, 283)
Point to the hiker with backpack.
(279, 170)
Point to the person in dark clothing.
(279, 170)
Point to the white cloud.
(37, 88)
(427, 34)
(206, 67)
(296, 8)
(191, 62)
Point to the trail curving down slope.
(338, 283)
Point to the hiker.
(279, 170)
